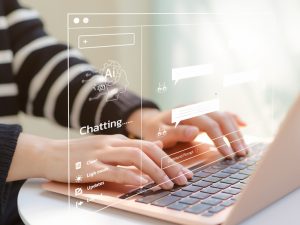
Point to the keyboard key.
(141, 191)
(232, 191)
(239, 166)
(221, 175)
(228, 162)
(219, 166)
(195, 179)
(211, 201)
(192, 188)
(250, 162)
(246, 171)
(212, 179)
(210, 190)
(258, 146)
(230, 170)
(239, 158)
(189, 183)
(251, 168)
(211, 170)
(245, 181)
(165, 201)
(200, 195)
(220, 185)
(189, 201)
(222, 196)
(228, 202)
(202, 183)
(207, 214)
(238, 186)
(149, 186)
(176, 188)
(239, 176)
(229, 180)
(181, 193)
(178, 206)
(154, 196)
(216, 209)
(197, 209)
(201, 174)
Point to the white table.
(37, 207)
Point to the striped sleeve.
(9, 135)
(40, 67)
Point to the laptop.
(221, 191)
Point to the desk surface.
(37, 207)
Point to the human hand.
(217, 125)
(46, 158)
(112, 151)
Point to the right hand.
(111, 152)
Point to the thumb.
(159, 144)
(183, 133)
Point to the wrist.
(55, 154)
(29, 158)
(36, 148)
(140, 119)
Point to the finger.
(239, 133)
(232, 133)
(238, 119)
(174, 170)
(160, 144)
(121, 176)
(133, 156)
(213, 130)
(120, 136)
(167, 117)
(182, 133)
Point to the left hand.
(217, 125)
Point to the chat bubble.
(240, 78)
(198, 109)
(191, 71)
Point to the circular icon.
(85, 20)
(101, 87)
(76, 20)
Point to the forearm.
(28, 160)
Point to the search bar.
(106, 40)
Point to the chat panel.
(156, 64)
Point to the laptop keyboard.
(212, 189)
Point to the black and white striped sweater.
(33, 79)
(33, 75)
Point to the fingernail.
(242, 150)
(191, 131)
(228, 153)
(189, 174)
(246, 148)
(244, 123)
(167, 183)
(181, 179)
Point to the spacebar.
(153, 197)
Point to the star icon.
(78, 179)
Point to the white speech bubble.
(191, 71)
(194, 110)
(240, 78)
